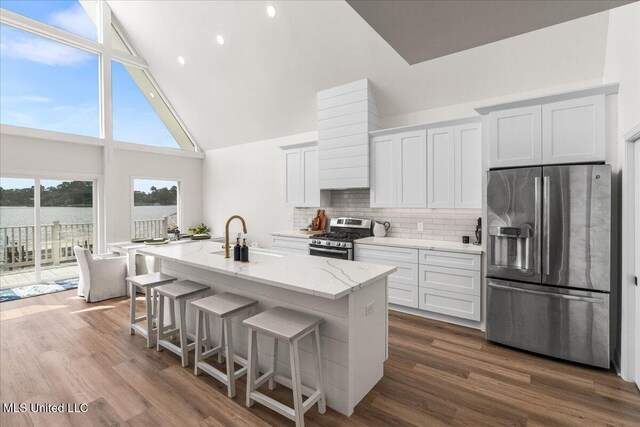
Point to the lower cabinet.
(292, 245)
(436, 281)
(401, 294)
(450, 303)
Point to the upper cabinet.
(573, 130)
(515, 137)
(301, 177)
(399, 170)
(468, 166)
(567, 131)
(440, 154)
(346, 114)
(455, 166)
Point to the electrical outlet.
(368, 310)
(420, 226)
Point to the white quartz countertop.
(437, 245)
(324, 277)
(291, 233)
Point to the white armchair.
(101, 277)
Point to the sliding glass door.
(17, 232)
(39, 229)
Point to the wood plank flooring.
(58, 349)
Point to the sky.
(48, 85)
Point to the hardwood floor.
(58, 349)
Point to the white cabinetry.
(436, 281)
(292, 245)
(573, 130)
(566, 131)
(383, 183)
(411, 170)
(455, 166)
(301, 177)
(440, 153)
(399, 170)
(515, 137)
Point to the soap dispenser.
(244, 257)
(237, 250)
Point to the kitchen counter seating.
(349, 297)
(290, 326)
(176, 292)
(224, 306)
(146, 282)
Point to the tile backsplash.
(438, 224)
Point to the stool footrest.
(207, 354)
(139, 329)
(280, 408)
(218, 374)
(174, 348)
(282, 380)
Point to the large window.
(139, 114)
(68, 15)
(155, 207)
(51, 79)
(47, 85)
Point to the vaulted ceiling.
(262, 82)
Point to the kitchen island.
(350, 297)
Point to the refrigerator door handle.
(546, 220)
(537, 213)
(548, 294)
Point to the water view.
(15, 216)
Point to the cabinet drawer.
(405, 295)
(450, 259)
(450, 303)
(406, 274)
(450, 279)
(290, 243)
(386, 253)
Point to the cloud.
(75, 20)
(6, 99)
(38, 49)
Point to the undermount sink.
(251, 251)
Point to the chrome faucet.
(226, 233)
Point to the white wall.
(30, 156)
(248, 180)
(25, 154)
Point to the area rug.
(40, 289)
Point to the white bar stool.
(290, 326)
(146, 282)
(223, 306)
(176, 292)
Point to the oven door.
(330, 252)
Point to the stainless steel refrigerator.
(549, 260)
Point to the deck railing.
(56, 242)
(151, 228)
(17, 244)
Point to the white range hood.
(346, 115)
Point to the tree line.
(80, 194)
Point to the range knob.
(328, 243)
(313, 241)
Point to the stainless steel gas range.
(338, 241)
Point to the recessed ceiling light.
(181, 60)
(151, 94)
(271, 11)
(220, 39)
